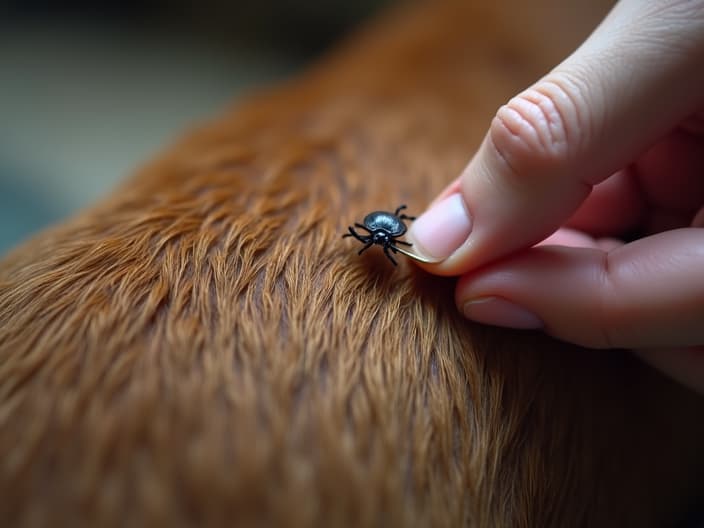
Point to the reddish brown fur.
(203, 347)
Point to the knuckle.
(605, 323)
(595, 319)
(539, 128)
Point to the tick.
(384, 228)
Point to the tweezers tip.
(419, 258)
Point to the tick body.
(384, 228)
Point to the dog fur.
(203, 348)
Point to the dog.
(202, 348)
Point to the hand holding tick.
(607, 146)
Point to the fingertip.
(442, 229)
(560, 286)
(497, 311)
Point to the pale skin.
(582, 212)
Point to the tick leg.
(399, 208)
(403, 216)
(386, 252)
(353, 233)
(403, 242)
(369, 244)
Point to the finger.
(568, 237)
(589, 117)
(661, 191)
(671, 173)
(648, 293)
(614, 207)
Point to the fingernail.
(443, 228)
(500, 312)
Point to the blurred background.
(91, 89)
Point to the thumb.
(633, 80)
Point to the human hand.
(610, 142)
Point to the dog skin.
(203, 348)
